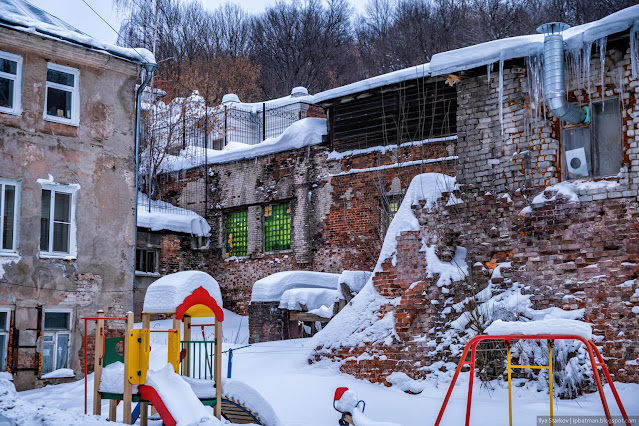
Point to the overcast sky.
(78, 14)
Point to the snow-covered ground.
(302, 394)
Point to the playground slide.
(174, 399)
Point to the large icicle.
(602, 61)
(501, 96)
(489, 70)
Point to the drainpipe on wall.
(554, 80)
(149, 68)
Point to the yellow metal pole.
(127, 397)
(510, 399)
(550, 380)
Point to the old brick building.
(67, 179)
(563, 231)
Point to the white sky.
(78, 14)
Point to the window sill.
(57, 256)
(9, 254)
(236, 258)
(15, 113)
(58, 120)
(147, 274)
(290, 250)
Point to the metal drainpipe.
(149, 68)
(554, 80)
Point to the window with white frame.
(57, 223)
(5, 318)
(9, 202)
(56, 340)
(62, 97)
(10, 83)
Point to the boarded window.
(594, 149)
(146, 260)
(237, 234)
(277, 227)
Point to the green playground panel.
(111, 355)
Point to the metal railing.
(198, 358)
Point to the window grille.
(237, 234)
(277, 227)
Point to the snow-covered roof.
(271, 288)
(491, 52)
(23, 16)
(167, 293)
(547, 326)
(273, 103)
(302, 133)
(318, 301)
(165, 216)
(355, 280)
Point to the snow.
(635, 310)
(112, 379)
(570, 190)
(530, 45)
(240, 392)
(396, 165)
(165, 216)
(334, 155)
(374, 82)
(271, 288)
(22, 16)
(455, 270)
(178, 397)
(549, 326)
(59, 373)
(355, 280)
(358, 322)
(300, 134)
(301, 394)
(168, 292)
(313, 298)
(426, 187)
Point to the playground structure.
(596, 360)
(196, 365)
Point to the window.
(237, 234)
(594, 149)
(146, 261)
(57, 334)
(62, 98)
(277, 227)
(9, 194)
(57, 224)
(5, 317)
(10, 83)
(389, 206)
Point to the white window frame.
(16, 216)
(55, 334)
(4, 349)
(17, 83)
(75, 95)
(73, 248)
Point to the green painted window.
(277, 227)
(237, 234)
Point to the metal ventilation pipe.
(554, 80)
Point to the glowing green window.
(237, 234)
(277, 227)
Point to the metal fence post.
(230, 367)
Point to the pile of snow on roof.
(158, 215)
(23, 16)
(168, 292)
(271, 288)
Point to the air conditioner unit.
(576, 162)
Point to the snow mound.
(302, 133)
(23, 412)
(112, 379)
(549, 326)
(251, 399)
(271, 288)
(159, 215)
(314, 299)
(179, 399)
(348, 404)
(359, 322)
(59, 373)
(168, 292)
(355, 280)
(455, 270)
(427, 187)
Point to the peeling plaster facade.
(96, 159)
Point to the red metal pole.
(85, 365)
(470, 381)
(604, 368)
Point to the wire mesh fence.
(179, 138)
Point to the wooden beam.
(305, 316)
(144, 406)
(217, 373)
(97, 363)
(128, 396)
(186, 362)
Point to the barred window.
(237, 234)
(277, 227)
